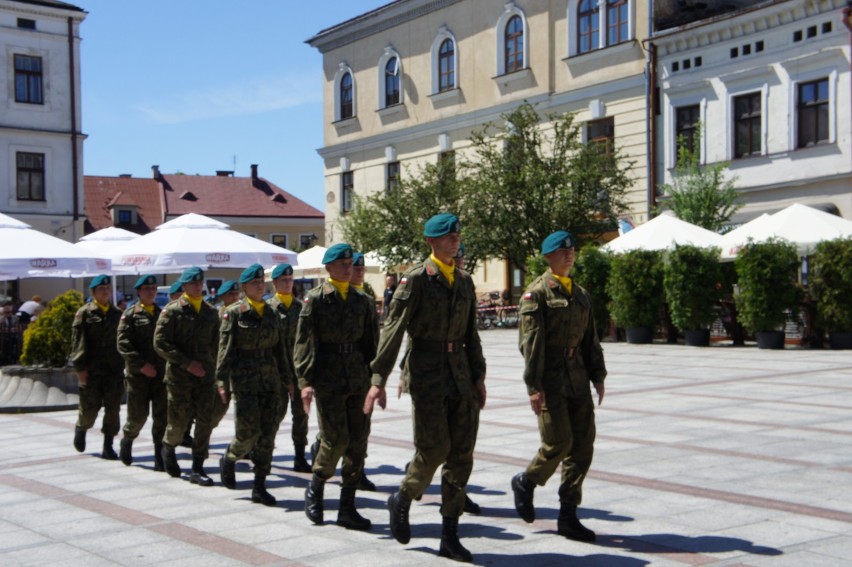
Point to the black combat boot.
(313, 499)
(108, 452)
(79, 439)
(315, 446)
(366, 484)
(226, 472)
(399, 504)
(158, 457)
(569, 525)
(198, 476)
(523, 489)
(170, 461)
(451, 547)
(125, 452)
(347, 515)
(300, 464)
(259, 494)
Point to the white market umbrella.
(311, 266)
(108, 242)
(197, 240)
(28, 253)
(663, 233)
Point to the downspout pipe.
(72, 69)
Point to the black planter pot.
(770, 339)
(640, 335)
(700, 337)
(840, 340)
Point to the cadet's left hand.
(376, 393)
(599, 388)
(223, 395)
(480, 392)
(307, 398)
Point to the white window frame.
(730, 148)
(444, 33)
(284, 234)
(342, 69)
(602, 32)
(312, 238)
(390, 53)
(673, 102)
(510, 11)
(806, 77)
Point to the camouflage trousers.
(344, 430)
(220, 409)
(101, 391)
(445, 429)
(256, 425)
(146, 395)
(567, 428)
(299, 433)
(190, 398)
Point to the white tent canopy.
(196, 240)
(663, 233)
(28, 253)
(310, 263)
(107, 242)
(799, 224)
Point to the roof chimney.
(254, 171)
(155, 169)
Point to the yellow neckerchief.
(449, 270)
(101, 306)
(285, 298)
(149, 309)
(194, 301)
(565, 281)
(359, 287)
(341, 287)
(257, 305)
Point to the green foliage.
(536, 265)
(766, 272)
(831, 283)
(47, 340)
(636, 288)
(692, 278)
(701, 194)
(592, 271)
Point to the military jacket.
(558, 339)
(326, 320)
(94, 340)
(425, 305)
(136, 340)
(182, 335)
(289, 320)
(251, 355)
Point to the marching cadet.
(436, 304)
(335, 339)
(229, 293)
(175, 291)
(562, 358)
(253, 366)
(143, 372)
(94, 354)
(187, 337)
(288, 309)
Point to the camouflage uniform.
(136, 345)
(252, 365)
(94, 349)
(181, 336)
(443, 366)
(289, 319)
(562, 355)
(335, 340)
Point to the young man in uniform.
(335, 340)
(436, 304)
(99, 366)
(563, 358)
(143, 372)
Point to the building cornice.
(78, 14)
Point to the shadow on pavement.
(673, 543)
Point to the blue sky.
(193, 85)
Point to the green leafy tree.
(592, 270)
(700, 194)
(47, 340)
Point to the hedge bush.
(47, 340)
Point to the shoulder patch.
(123, 317)
(528, 295)
(404, 280)
(225, 315)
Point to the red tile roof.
(100, 193)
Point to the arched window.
(617, 21)
(514, 39)
(392, 81)
(588, 26)
(346, 97)
(446, 66)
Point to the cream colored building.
(460, 64)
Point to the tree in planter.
(636, 288)
(766, 275)
(47, 340)
(831, 284)
(591, 270)
(692, 280)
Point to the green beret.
(175, 287)
(460, 253)
(357, 259)
(251, 273)
(145, 280)
(337, 252)
(227, 287)
(281, 270)
(102, 279)
(441, 224)
(557, 240)
(194, 274)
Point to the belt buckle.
(346, 348)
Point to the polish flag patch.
(528, 295)
(403, 281)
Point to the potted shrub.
(47, 340)
(692, 281)
(766, 275)
(831, 285)
(591, 271)
(636, 288)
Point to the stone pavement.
(714, 456)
